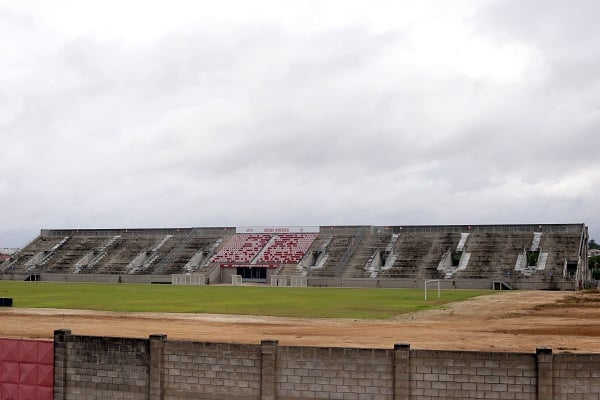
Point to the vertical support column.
(401, 371)
(61, 338)
(268, 365)
(157, 344)
(544, 373)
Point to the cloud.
(311, 113)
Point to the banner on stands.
(277, 229)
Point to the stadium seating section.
(242, 248)
(286, 248)
(410, 252)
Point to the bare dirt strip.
(516, 321)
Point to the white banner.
(277, 229)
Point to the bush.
(532, 258)
(456, 258)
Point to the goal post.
(433, 283)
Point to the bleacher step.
(145, 258)
(95, 256)
(42, 257)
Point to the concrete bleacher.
(292, 270)
(336, 249)
(122, 253)
(372, 247)
(71, 252)
(562, 261)
(142, 262)
(95, 255)
(112, 251)
(22, 261)
(337, 254)
(154, 254)
(184, 251)
(493, 254)
(418, 254)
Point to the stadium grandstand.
(532, 256)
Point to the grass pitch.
(243, 300)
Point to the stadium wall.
(91, 278)
(89, 367)
(104, 278)
(522, 284)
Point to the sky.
(155, 114)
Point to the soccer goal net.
(432, 284)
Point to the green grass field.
(245, 300)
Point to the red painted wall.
(26, 369)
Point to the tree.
(594, 265)
(594, 245)
(532, 258)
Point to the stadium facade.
(523, 256)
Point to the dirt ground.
(512, 321)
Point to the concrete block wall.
(91, 368)
(214, 369)
(95, 368)
(572, 375)
(471, 375)
(334, 373)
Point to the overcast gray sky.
(191, 113)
